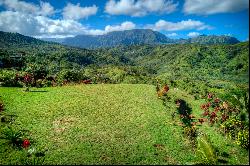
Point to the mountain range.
(117, 38)
(138, 36)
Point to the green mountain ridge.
(16, 39)
(138, 36)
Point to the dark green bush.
(9, 78)
(12, 136)
(68, 75)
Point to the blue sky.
(174, 18)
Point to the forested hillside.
(183, 64)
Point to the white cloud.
(41, 26)
(17, 22)
(59, 27)
(21, 6)
(172, 34)
(193, 34)
(206, 7)
(76, 12)
(31, 25)
(46, 8)
(140, 7)
(95, 32)
(177, 26)
(127, 25)
(32, 20)
(52, 36)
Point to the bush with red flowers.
(209, 96)
(229, 115)
(212, 108)
(163, 91)
(27, 81)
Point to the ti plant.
(242, 102)
(13, 136)
(205, 151)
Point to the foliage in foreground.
(16, 139)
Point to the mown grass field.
(105, 124)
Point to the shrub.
(116, 75)
(162, 91)
(39, 83)
(28, 81)
(68, 75)
(243, 138)
(9, 78)
(12, 136)
(191, 132)
(232, 116)
(38, 71)
(237, 131)
(1, 106)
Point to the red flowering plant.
(209, 96)
(26, 143)
(27, 81)
(215, 110)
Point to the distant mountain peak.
(214, 39)
(126, 37)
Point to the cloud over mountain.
(193, 34)
(177, 26)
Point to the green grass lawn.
(103, 124)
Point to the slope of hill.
(15, 39)
(105, 124)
